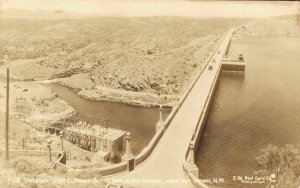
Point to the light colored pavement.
(165, 162)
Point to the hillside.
(275, 26)
(150, 55)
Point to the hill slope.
(157, 54)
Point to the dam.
(168, 156)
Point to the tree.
(284, 162)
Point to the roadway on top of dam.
(166, 161)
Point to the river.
(253, 110)
(139, 121)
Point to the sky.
(182, 8)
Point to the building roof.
(97, 131)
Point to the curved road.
(164, 167)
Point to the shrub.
(149, 52)
(25, 166)
(281, 161)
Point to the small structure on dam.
(233, 65)
(160, 123)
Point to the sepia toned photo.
(149, 94)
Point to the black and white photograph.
(149, 94)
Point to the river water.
(139, 121)
(253, 110)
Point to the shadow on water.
(139, 121)
(234, 75)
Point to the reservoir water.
(139, 121)
(253, 110)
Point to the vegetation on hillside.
(135, 54)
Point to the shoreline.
(131, 98)
(142, 99)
